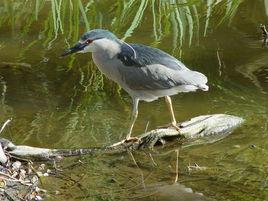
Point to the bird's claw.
(174, 125)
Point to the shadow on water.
(68, 103)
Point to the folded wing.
(146, 68)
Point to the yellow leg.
(133, 117)
(170, 108)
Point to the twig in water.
(142, 176)
(220, 61)
(132, 157)
(8, 64)
(5, 124)
(77, 163)
(55, 167)
(177, 166)
(146, 127)
(151, 157)
(195, 167)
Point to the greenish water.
(66, 103)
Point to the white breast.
(108, 66)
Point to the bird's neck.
(108, 48)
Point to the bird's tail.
(199, 80)
(204, 87)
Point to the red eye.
(88, 41)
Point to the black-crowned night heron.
(146, 73)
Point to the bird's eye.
(88, 41)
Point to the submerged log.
(199, 130)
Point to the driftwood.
(19, 179)
(198, 130)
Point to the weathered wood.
(198, 130)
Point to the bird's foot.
(174, 125)
(131, 139)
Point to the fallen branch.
(198, 130)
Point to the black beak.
(78, 47)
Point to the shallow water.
(66, 103)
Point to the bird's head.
(93, 41)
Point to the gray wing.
(153, 69)
(154, 77)
(145, 55)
